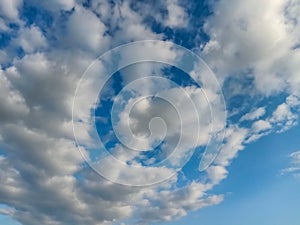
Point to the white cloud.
(30, 39)
(295, 157)
(3, 26)
(175, 203)
(256, 114)
(177, 17)
(125, 23)
(216, 174)
(260, 125)
(130, 25)
(245, 36)
(92, 36)
(10, 9)
(170, 13)
(7, 211)
(183, 111)
(36, 93)
(285, 115)
(41, 160)
(294, 167)
(256, 42)
(235, 136)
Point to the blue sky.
(256, 193)
(8, 221)
(107, 109)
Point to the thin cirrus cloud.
(294, 167)
(43, 176)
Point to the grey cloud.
(43, 177)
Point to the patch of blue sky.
(255, 192)
(188, 38)
(191, 168)
(5, 38)
(179, 77)
(6, 219)
(44, 20)
(259, 194)
(150, 158)
(241, 98)
(105, 103)
(33, 15)
(87, 4)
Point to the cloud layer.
(43, 177)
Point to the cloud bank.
(254, 51)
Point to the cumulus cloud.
(176, 203)
(285, 114)
(253, 51)
(177, 16)
(244, 37)
(79, 34)
(30, 39)
(216, 173)
(44, 178)
(13, 105)
(10, 9)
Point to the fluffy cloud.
(79, 34)
(9, 9)
(284, 115)
(13, 105)
(177, 16)
(30, 39)
(253, 49)
(261, 39)
(43, 177)
(216, 173)
(176, 203)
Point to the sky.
(134, 112)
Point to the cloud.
(261, 125)
(176, 203)
(235, 136)
(253, 52)
(42, 174)
(294, 167)
(182, 111)
(295, 157)
(256, 114)
(216, 173)
(10, 9)
(91, 37)
(12, 104)
(244, 37)
(4, 210)
(30, 39)
(177, 16)
(125, 23)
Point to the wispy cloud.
(294, 167)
